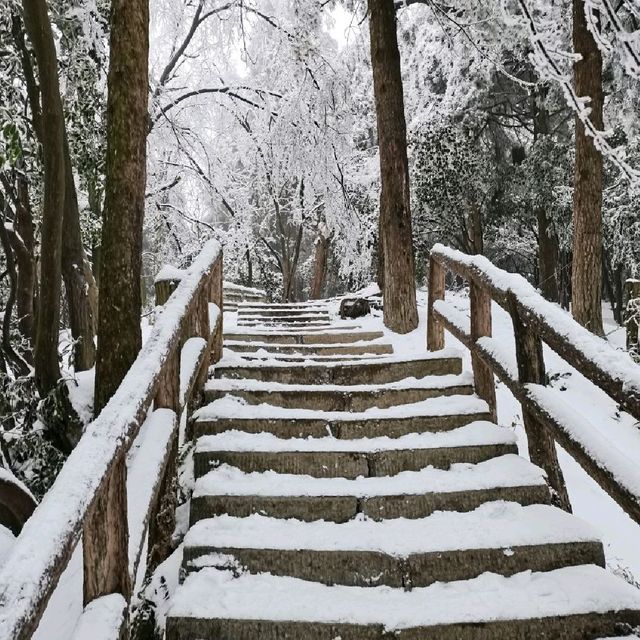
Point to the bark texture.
(400, 311)
(119, 336)
(38, 27)
(586, 274)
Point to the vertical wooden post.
(215, 296)
(435, 329)
(531, 368)
(164, 288)
(632, 318)
(480, 327)
(105, 542)
(162, 519)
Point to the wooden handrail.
(79, 501)
(546, 416)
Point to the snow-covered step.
(435, 414)
(309, 304)
(288, 312)
(378, 371)
(296, 329)
(331, 457)
(410, 494)
(377, 348)
(319, 325)
(295, 337)
(263, 356)
(318, 316)
(572, 603)
(501, 537)
(343, 397)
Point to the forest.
(514, 123)
(191, 192)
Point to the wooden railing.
(546, 414)
(119, 476)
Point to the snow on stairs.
(372, 498)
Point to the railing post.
(105, 539)
(480, 302)
(435, 328)
(632, 318)
(531, 369)
(215, 296)
(162, 520)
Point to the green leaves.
(11, 150)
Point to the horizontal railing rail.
(546, 415)
(89, 501)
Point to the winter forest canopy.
(261, 132)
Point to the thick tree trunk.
(399, 293)
(320, 265)
(80, 286)
(38, 26)
(586, 276)
(119, 337)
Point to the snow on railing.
(88, 498)
(546, 416)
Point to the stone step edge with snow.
(509, 470)
(566, 603)
(496, 524)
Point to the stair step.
(263, 356)
(287, 305)
(331, 457)
(296, 330)
(295, 337)
(284, 319)
(380, 348)
(572, 603)
(436, 414)
(409, 494)
(319, 325)
(501, 537)
(378, 371)
(287, 312)
(342, 397)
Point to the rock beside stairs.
(346, 492)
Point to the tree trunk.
(586, 275)
(119, 336)
(38, 26)
(399, 292)
(23, 243)
(476, 229)
(320, 265)
(547, 257)
(80, 286)
(548, 248)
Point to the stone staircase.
(345, 492)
